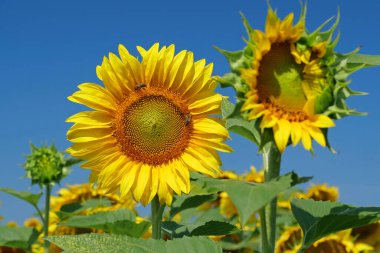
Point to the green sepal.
(323, 101)
(367, 60)
(328, 35)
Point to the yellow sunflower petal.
(317, 135)
(281, 134)
(142, 181)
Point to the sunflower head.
(254, 175)
(33, 223)
(369, 234)
(321, 192)
(152, 123)
(290, 81)
(290, 241)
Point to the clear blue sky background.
(47, 48)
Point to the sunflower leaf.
(236, 59)
(75, 208)
(116, 222)
(181, 203)
(31, 198)
(104, 243)
(235, 123)
(18, 237)
(249, 197)
(176, 230)
(318, 219)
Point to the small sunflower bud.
(46, 165)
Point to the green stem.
(272, 162)
(46, 220)
(157, 211)
(263, 232)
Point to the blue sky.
(47, 48)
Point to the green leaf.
(236, 59)
(321, 218)
(215, 228)
(368, 60)
(89, 204)
(237, 124)
(184, 202)
(249, 197)
(26, 196)
(227, 108)
(176, 230)
(104, 243)
(244, 128)
(121, 221)
(18, 237)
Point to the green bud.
(46, 165)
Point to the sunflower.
(284, 80)
(33, 223)
(342, 242)
(291, 81)
(369, 234)
(254, 175)
(321, 192)
(152, 123)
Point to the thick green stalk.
(263, 232)
(157, 211)
(271, 162)
(46, 220)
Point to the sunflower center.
(280, 79)
(153, 128)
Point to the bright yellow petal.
(142, 181)
(281, 134)
(317, 135)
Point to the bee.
(139, 86)
(187, 119)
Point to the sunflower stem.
(46, 220)
(263, 232)
(157, 211)
(271, 164)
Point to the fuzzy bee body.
(187, 119)
(140, 86)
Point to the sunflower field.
(153, 131)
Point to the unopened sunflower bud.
(46, 165)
